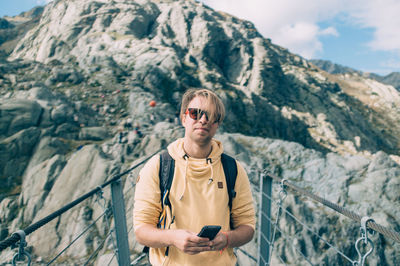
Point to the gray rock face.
(169, 46)
(4, 24)
(46, 149)
(15, 152)
(94, 133)
(37, 184)
(78, 84)
(17, 115)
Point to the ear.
(183, 119)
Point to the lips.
(203, 129)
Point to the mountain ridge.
(333, 68)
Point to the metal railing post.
(121, 232)
(264, 220)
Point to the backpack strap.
(230, 170)
(166, 174)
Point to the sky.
(362, 34)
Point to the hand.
(190, 243)
(219, 242)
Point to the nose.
(203, 119)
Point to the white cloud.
(294, 24)
(384, 17)
(291, 24)
(43, 2)
(391, 64)
(329, 31)
(301, 38)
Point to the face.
(200, 131)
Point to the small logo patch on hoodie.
(220, 185)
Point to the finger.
(195, 250)
(192, 245)
(201, 239)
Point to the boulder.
(16, 115)
(61, 114)
(67, 131)
(46, 149)
(37, 183)
(94, 133)
(15, 153)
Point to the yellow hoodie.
(198, 197)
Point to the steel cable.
(74, 240)
(113, 256)
(97, 249)
(323, 240)
(309, 229)
(300, 222)
(247, 254)
(371, 224)
(291, 240)
(263, 261)
(33, 227)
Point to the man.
(198, 194)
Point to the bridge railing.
(270, 210)
(268, 227)
(121, 245)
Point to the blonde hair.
(216, 108)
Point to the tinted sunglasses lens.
(193, 113)
(204, 112)
(196, 113)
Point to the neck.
(197, 151)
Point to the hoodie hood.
(196, 168)
(177, 152)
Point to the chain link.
(19, 256)
(365, 240)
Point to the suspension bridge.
(272, 192)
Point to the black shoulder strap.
(230, 170)
(166, 174)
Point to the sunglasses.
(196, 114)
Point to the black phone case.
(209, 231)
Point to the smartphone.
(209, 231)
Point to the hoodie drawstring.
(210, 180)
(186, 158)
(209, 163)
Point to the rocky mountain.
(12, 29)
(75, 81)
(391, 79)
(332, 68)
